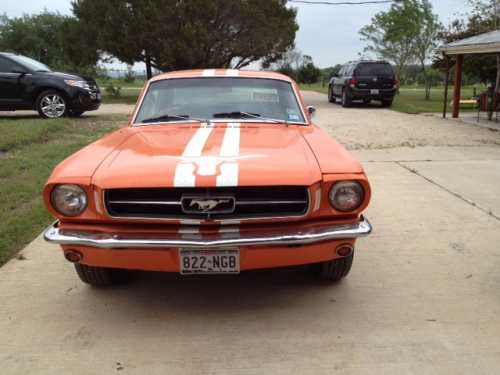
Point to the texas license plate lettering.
(209, 261)
(374, 92)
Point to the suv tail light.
(353, 82)
(396, 83)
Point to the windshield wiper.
(168, 118)
(240, 114)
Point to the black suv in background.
(364, 80)
(28, 84)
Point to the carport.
(487, 43)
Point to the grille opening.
(166, 203)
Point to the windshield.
(218, 98)
(31, 64)
(374, 69)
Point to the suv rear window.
(374, 69)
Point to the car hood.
(72, 76)
(221, 155)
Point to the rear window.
(374, 69)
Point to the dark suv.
(364, 80)
(28, 84)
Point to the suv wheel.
(75, 113)
(335, 270)
(387, 103)
(331, 98)
(51, 104)
(346, 100)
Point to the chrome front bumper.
(319, 233)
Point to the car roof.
(200, 73)
(369, 62)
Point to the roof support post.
(457, 86)
(446, 85)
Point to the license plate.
(193, 262)
(374, 92)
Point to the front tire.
(75, 113)
(387, 103)
(51, 104)
(331, 98)
(335, 270)
(97, 276)
(346, 99)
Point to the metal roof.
(482, 43)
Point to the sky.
(327, 33)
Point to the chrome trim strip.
(161, 203)
(244, 203)
(316, 234)
(177, 203)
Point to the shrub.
(113, 90)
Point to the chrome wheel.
(53, 105)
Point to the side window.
(342, 71)
(6, 66)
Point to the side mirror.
(311, 110)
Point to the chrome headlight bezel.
(78, 83)
(354, 188)
(69, 200)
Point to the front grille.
(231, 202)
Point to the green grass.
(29, 149)
(412, 100)
(128, 93)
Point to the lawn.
(29, 149)
(412, 100)
(128, 91)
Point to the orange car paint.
(207, 156)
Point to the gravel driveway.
(423, 296)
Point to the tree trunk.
(149, 70)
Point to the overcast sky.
(328, 33)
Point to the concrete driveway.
(423, 296)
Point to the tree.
(52, 38)
(392, 35)
(428, 37)
(308, 72)
(171, 34)
(486, 13)
(482, 19)
(429, 77)
(406, 33)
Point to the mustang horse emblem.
(206, 205)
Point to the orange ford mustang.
(219, 171)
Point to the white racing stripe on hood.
(184, 173)
(208, 72)
(229, 170)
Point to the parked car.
(366, 81)
(219, 171)
(27, 84)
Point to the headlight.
(69, 200)
(346, 196)
(81, 84)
